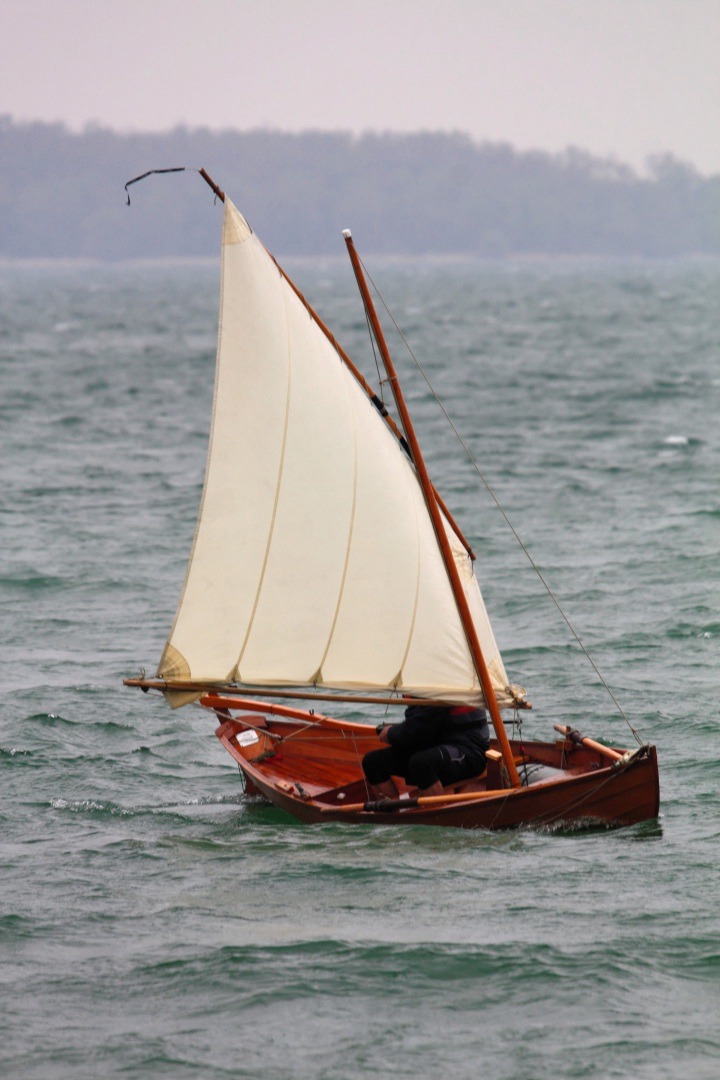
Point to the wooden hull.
(309, 766)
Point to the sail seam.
(350, 530)
(411, 631)
(277, 497)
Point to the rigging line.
(551, 820)
(498, 504)
(225, 714)
(381, 381)
(314, 729)
(305, 735)
(375, 358)
(359, 759)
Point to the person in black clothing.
(435, 745)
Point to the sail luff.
(434, 511)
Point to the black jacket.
(441, 725)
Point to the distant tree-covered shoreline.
(61, 195)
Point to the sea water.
(155, 922)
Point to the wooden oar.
(382, 805)
(581, 740)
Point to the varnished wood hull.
(310, 767)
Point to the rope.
(508, 522)
(381, 381)
(517, 734)
(311, 733)
(362, 771)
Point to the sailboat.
(327, 568)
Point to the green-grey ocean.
(154, 921)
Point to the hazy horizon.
(619, 80)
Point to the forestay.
(314, 561)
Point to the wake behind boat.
(326, 565)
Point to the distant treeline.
(61, 195)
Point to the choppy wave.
(156, 921)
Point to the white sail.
(314, 563)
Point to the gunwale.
(308, 765)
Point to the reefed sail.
(314, 563)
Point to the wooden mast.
(434, 511)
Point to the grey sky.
(626, 78)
